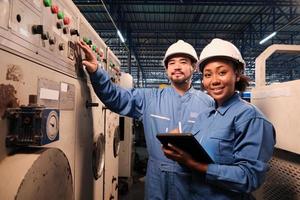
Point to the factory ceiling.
(149, 27)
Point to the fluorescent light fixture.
(121, 36)
(268, 37)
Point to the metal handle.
(91, 104)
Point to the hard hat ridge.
(221, 48)
(180, 47)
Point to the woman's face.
(219, 79)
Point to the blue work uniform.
(241, 141)
(161, 110)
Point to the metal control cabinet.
(127, 137)
(112, 135)
(39, 58)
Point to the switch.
(52, 40)
(60, 15)
(54, 9)
(87, 41)
(47, 3)
(112, 65)
(98, 58)
(37, 29)
(74, 32)
(59, 24)
(67, 20)
(61, 46)
(66, 30)
(45, 36)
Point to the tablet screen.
(188, 143)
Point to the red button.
(67, 20)
(54, 9)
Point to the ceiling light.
(121, 36)
(268, 37)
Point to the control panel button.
(54, 9)
(67, 20)
(94, 47)
(60, 15)
(47, 3)
(45, 36)
(61, 46)
(87, 41)
(74, 32)
(52, 40)
(37, 29)
(59, 24)
(66, 30)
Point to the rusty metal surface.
(14, 73)
(7, 98)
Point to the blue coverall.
(161, 111)
(241, 141)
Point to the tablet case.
(188, 143)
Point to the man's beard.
(182, 81)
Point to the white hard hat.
(180, 47)
(220, 48)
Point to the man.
(161, 110)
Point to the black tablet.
(188, 143)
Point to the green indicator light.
(60, 15)
(47, 3)
(85, 40)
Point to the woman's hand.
(184, 158)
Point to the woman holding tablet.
(236, 135)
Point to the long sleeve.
(252, 149)
(125, 102)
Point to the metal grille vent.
(283, 179)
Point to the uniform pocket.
(225, 143)
(161, 123)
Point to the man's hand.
(90, 61)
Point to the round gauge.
(52, 126)
(98, 156)
(116, 144)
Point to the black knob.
(45, 36)
(52, 40)
(61, 46)
(37, 29)
(74, 32)
(91, 104)
(59, 25)
(65, 30)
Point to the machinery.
(279, 102)
(57, 140)
(112, 135)
(126, 155)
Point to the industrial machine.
(280, 103)
(112, 135)
(126, 155)
(56, 137)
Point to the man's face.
(179, 69)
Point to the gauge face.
(52, 125)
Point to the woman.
(235, 134)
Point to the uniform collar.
(228, 103)
(189, 91)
